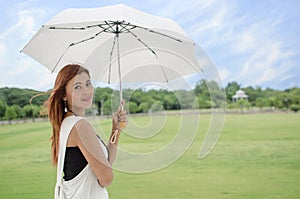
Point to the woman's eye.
(88, 84)
(77, 87)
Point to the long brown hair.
(56, 103)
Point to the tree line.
(16, 103)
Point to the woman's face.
(79, 92)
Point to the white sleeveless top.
(85, 184)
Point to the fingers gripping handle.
(120, 125)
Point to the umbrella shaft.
(119, 67)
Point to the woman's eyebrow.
(77, 83)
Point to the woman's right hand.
(119, 118)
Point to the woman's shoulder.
(83, 132)
(82, 125)
(74, 119)
(83, 122)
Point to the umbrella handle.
(113, 138)
(120, 126)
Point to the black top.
(74, 162)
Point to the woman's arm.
(118, 117)
(86, 139)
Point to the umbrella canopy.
(116, 43)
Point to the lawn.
(257, 156)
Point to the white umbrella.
(116, 43)
(119, 44)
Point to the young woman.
(78, 152)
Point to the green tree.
(253, 93)
(202, 89)
(18, 110)
(217, 94)
(143, 107)
(10, 114)
(101, 96)
(241, 104)
(261, 102)
(21, 97)
(137, 97)
(295, 107)
(231, 89)
(212, 95)
(133, 108)
(2, 108)
(186, 99)
(157, 106)
(107, 107)
(203, 102)
(293, 96)
(32, 111)
(168, 101)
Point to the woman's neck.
(77, 112)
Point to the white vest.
(85, 184)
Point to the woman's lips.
(88, 99)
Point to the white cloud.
(26, 24)
(27, 74)
(224, 73)
(23, 4)
(18, 70)
(245, 46)
(266, 65)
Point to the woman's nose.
(87, 90)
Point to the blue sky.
(253, 42)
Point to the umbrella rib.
(66, 28)
(159, 33)
(60, 58)
(150, 49)
(87, 39)
(74, 43)
(144, 44)
(82, 28)
(70, 45)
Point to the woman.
(76, 150)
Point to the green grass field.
(257, 156)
